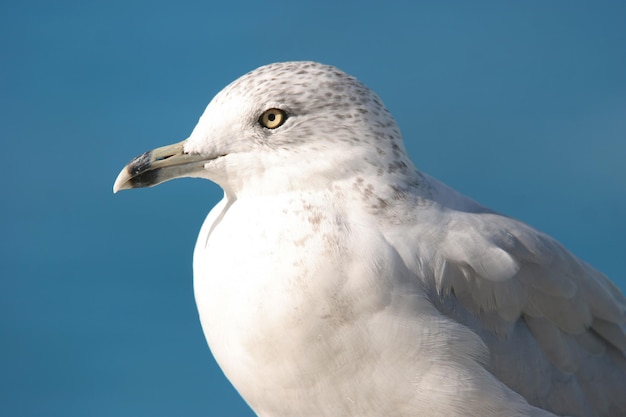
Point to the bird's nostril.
(163, 158)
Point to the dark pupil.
(271, 117)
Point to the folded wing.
(555, 326)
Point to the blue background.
(521, 105)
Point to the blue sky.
(520, 105)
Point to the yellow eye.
(272, 118)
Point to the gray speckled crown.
(353, 112)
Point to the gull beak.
(157, 166)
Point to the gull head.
(282, 126)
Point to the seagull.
(336, 279)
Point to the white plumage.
(334, 279)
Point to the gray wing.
(555, 326)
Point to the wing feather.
(534, 304)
